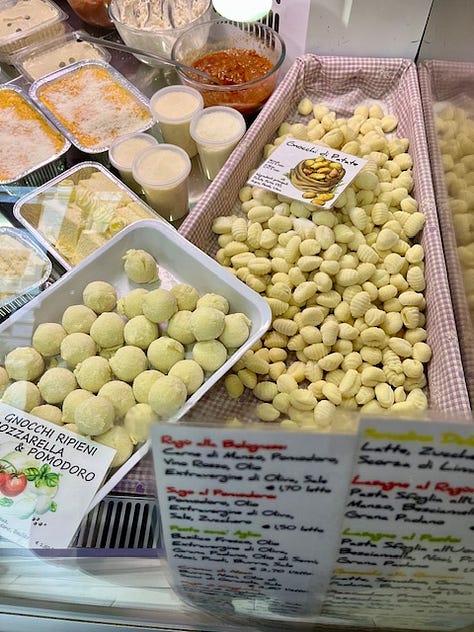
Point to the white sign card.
(48, 477)
(407, 546)
(251, 516)
(307, 172)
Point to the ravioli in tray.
(151, 346)
(79, 211)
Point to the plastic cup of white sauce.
(162, 171)
(172, 108)
(122, 153)
(216, 131)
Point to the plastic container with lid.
(123, 152)
(26, 22)
(40, 59)
(173, 108)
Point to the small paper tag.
(48, 477)
(310, 173)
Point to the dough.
(128, 362)
(120, 394)
(47, 338)
(186, 295)
(137, 422)
(140, 266)
(130, 304)
(92, 373)
(94, 416)
(167, 395)
(190, 372)
(236, 330)
(159, 305)
(117, 437)
(210, 354)
(100, 296)
(24, 363)
(179, 327)
(142, 384)
(78, 318)
(49, 412)
(73, 428)
(4, 380)
(140, 332)
(164, 352)
(107, 330)
(207, 323)
(55, 384)
(214, 300)
(23, 395)
(77, 347)
(71, 402)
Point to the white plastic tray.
(179, 262)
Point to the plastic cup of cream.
(216, 131)
(122, 153)
(172, 108)
(162, 171)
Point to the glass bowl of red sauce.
(243, 57)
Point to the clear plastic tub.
(26, 22)
(53, 54)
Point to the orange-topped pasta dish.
(93, 106)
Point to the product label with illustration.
(307, 172)
(48, 478)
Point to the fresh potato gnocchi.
(345, 285)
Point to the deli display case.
(312, 466)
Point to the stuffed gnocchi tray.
(179, 263)
(321, 99)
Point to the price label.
(407, 544)
(251, 517)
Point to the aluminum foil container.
(19, 30)
(32, 277)
(100, 122)
(50, 165)
(44, 210)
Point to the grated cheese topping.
(26, 139)
(94, 107)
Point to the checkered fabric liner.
(341, 83)
(443, 81)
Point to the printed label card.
(48, 478)
(310, 173)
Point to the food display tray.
(10, 43)
(49, 51)
(28, 211)
(116, 77)
(24, 240)
(42, 171)
(342, 83)
(179, 262)
(449, 83)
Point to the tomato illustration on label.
(12, 485)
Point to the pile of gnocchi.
(345, 285)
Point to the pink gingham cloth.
(341, 83)
(450, 82)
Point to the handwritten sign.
(48, 477)
(407, 545)
(307, 172)
(251, 517)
